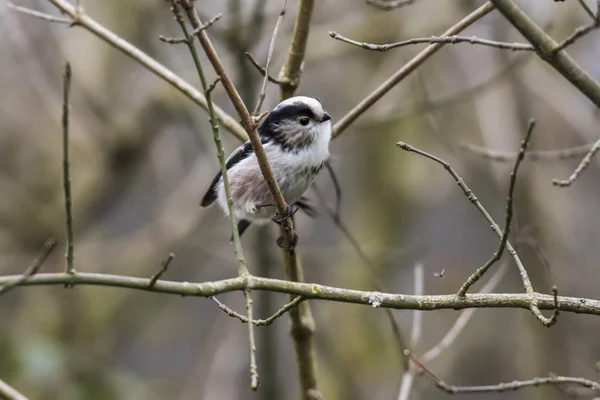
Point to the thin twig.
(33, 269)
(409, 67)
(508, 217)
(435, 39)
(172, 40)
(81, 19)
(388, 5)
(261, 69)
(164, 266)
(66, 173)
(260, 322)
(178, 40)
(475, 201)
(508, 386)
(213, 85)
(263, 89)
(38, 14)
(582, 166)
(531, 155)
(239, 254)
(577, 34)
(8, 392)
(587, 10)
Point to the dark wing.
(238, 155)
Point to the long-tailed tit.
(295, 136)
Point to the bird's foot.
(281, 243)
(279, 219)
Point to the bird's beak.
(326, 117)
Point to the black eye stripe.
(292, 111)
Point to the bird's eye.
(304, 121)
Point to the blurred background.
(142, 157)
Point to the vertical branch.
(302, 324)
(239, 254)
(66, 174)
(292, 69)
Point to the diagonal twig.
(455, 39)
(508, 218)
(33, 269)
(79, 18)
(475, 201)
(263, 89)
(260, 69)
(177, 40)
(409, 67)
(260, 322)
(577, 34)
(37, 14)
(582, 166)
(7, 392)
(164, 266)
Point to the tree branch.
(263, 89)
(77, 17)
(435, 39)
(290, 73)
(582, 166)
(9, 393)
(549, 50)
(475, 201)
(316, 292)
(66, 173)
(508, 218)
(409, 67)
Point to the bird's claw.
(278, 219)
(281, 243)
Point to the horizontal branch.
(318, 292)
(435, 39)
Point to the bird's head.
(297, 123)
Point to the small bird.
(295, 136)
